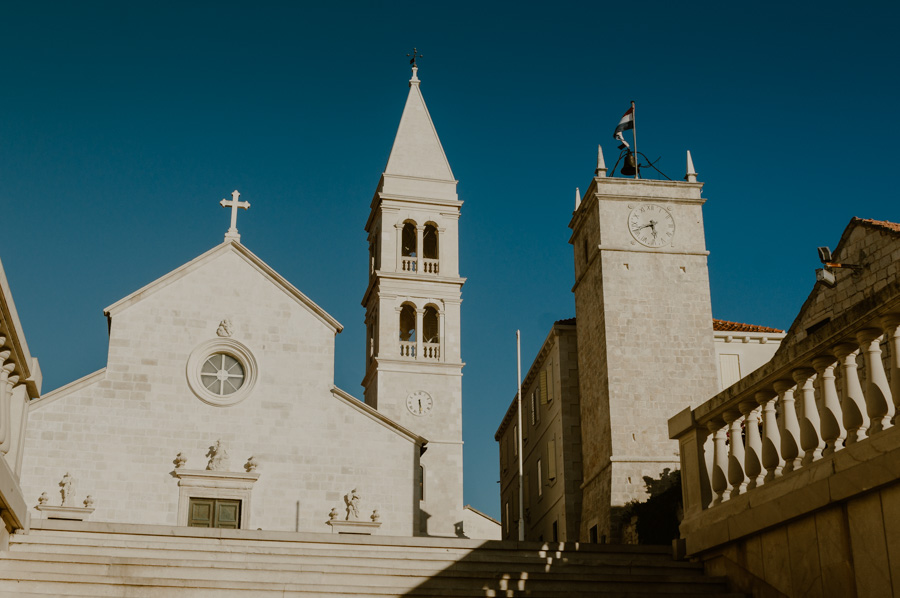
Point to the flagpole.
(519, 439)
(637, 170)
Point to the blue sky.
(123, 124)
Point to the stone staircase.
(66, 558)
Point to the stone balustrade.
(838, 386)
(431, 351)
(430, 266)
(409, 264)
(408, 349)
(412, 264)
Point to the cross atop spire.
(415, 67)
(234, 203)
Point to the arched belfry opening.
(431, 333)
(409, 240)
(407, 330)
(430, 248)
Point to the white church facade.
(217, 406)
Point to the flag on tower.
(627, 122)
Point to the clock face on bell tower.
(651, 225)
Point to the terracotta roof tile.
(882, 224)
(726, 326)
(566, 322)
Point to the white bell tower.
(413, 364)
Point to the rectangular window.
(540, 479)
(535, 408)
(516, 441)
(550, 383)
(504, 442)
(506, 519)
(593, 534)
(215, 512)
(526, 489)
(730, 368)
(555, 532)
(551, 458)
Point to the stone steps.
(92, 559)
(338, 564)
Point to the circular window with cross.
(221, 372)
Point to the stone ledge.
(852, 471)
(67, 513)
(364, 528)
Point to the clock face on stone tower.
(651, 225)
(419, 403)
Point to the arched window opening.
(431, 326)
(430, 242)
(431, 333)
(407, 331)
(408, 240)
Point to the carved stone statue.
(218, 457)
(333, 514)
(43, 498)
(88, 502)
(180, 460)
(352, 501)
(251, 464)
(67, 489)
(225, 328)
(376, 516)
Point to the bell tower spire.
(413, 361)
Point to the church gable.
(220, 350)
(869, 252)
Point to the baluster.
(879, 404)
(5, 404)
(6, 384)
(810, 441)
(720, 486)
(830, 413)
(891, 325)
(771, 456)
(853, 403)
(753, 453)
(790, 427)
(736, 476)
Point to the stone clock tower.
(413, 364)
(645, 341)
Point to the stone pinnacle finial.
(691, 175)
(577, 197)
(601, 165)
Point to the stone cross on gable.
(234, 203)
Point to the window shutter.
(201, 512)
(550, 382)
(228, 514)
(551, 458)
(503, 455)
(544, 387)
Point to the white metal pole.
(637, 171)
(519, 439)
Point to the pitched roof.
(726, 326)
(878, 224)
(417, 150)
(248, 256)
(566, 322)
